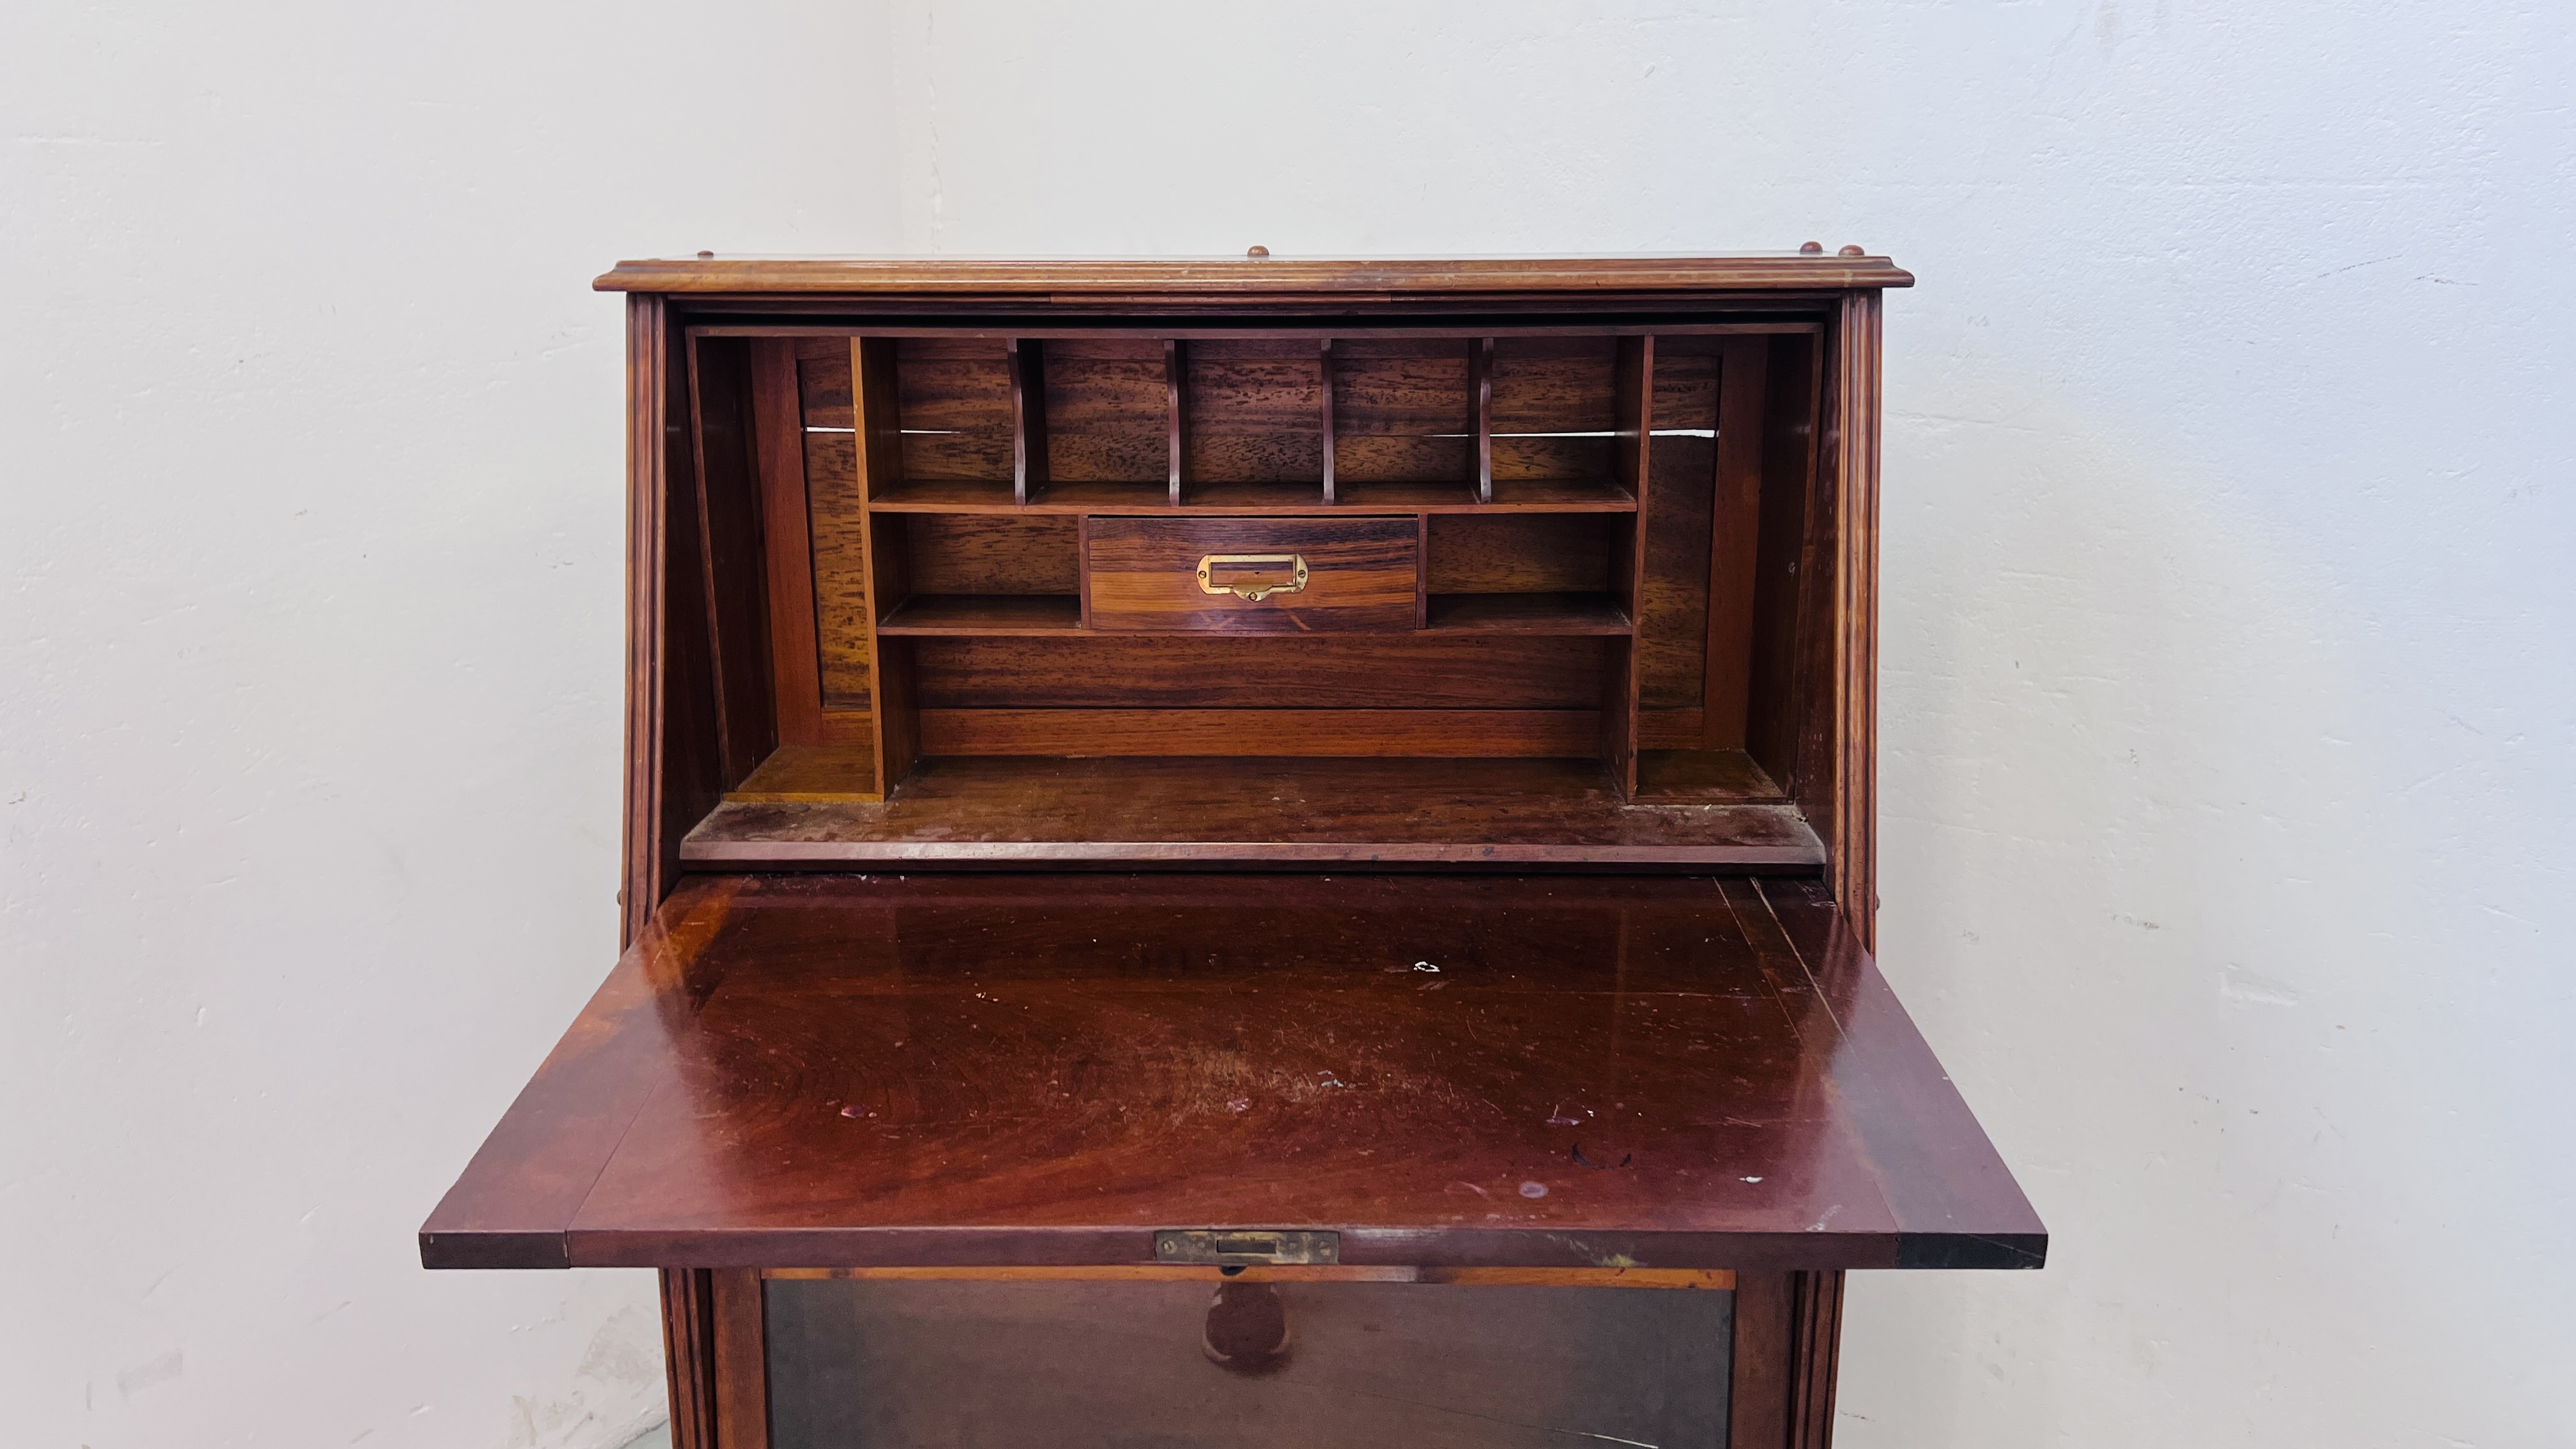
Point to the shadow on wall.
(616, 1397)
(2145, 893)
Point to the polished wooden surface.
(1164, 278)
(1477, 1071)
(1276, 812)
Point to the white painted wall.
(311, 531)
(2230, 700)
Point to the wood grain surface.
(1362, 574)
(1451, 1072)
(998, 811)
(1164, 279)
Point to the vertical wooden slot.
(1325, 352)
(1028, 419)
(729, 551)
(1735, 531)
(1775, 706)
(876, 419)
(1633, 436)
(1176, 380)
(795, 647)
(1480, 388)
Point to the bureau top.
(1251, 277)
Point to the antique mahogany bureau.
(1248, 852)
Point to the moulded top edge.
(1245, 277)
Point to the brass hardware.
(1253, 593)
(1234, 1247)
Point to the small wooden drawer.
(1253, 575)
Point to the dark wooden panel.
(1633, 414)
(1672, 602)
(1107, 411)
(823, 380)
(1141, 574)
(838, 525)
(1044, 1069)
(1774, 701)
(888, 557)
(975, 812)
(730, 551)
(988, 554)
(1520, 553)
(1370, 733)
(1402, 411)
(1253, 412)
(1547, 393)
(1668, 729)
(795, 650)
(875, 1363)
(955, 396)
(1251, 671)
(1735, 524)
(739, 1322)
(679, 729)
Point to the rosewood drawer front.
(1253, 575)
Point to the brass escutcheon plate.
(1242, 1246)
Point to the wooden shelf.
(810, 774)
(944, 495)
(1214, 812)
(1526, 614)
(1718, 775)
(983, 615)
(1153, 497)
(1523, 495)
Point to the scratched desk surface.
(842, 1071)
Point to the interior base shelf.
(968, 811)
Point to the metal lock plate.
(1233, 1247)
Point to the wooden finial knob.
(706, 256)
(1257, 253)
(1811, 249)
(1852, 251)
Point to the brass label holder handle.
(1252, 593)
